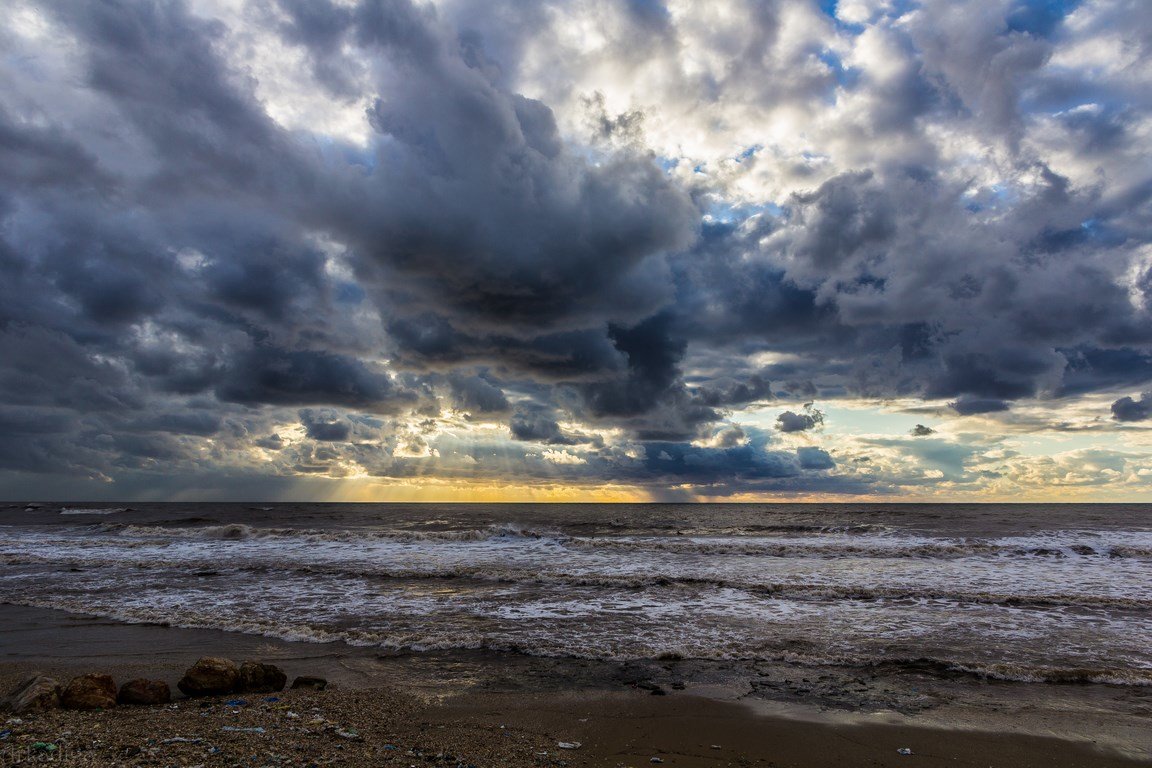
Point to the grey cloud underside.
(1129, 409)
(182, 279)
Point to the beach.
(498, 711)
(784, 635)
(576, 383)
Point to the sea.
(1042, 593)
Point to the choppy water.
(1027, 592)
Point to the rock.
(144, 692)
(94, 691)
(314, 683)
(260, 678)
(210, 676)
(35, 693)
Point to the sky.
(598, 250)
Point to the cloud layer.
(646, 245)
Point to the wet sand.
(445, 710)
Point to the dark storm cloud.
(653, 355)
(229, 318)
(303, 377)
(727, 392)
(202, 423)
(921, 431)
(158, 64)
(481, 193)
(320, 26)
(971, 406)
(790, 421)
(175, 265)
(271, 442)
(477, 394)
(877, 261)
(325, 425)
(840, 220)
(36, 156)
(535, 424)
(1127, 409)
(814, 458)
(749, 462)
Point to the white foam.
(860, 598)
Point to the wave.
(93, 510)
(511, 574)
(813, 546)
(240, 531)
(556, 646)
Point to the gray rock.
(144, 692)
(260, 678)
(210, 676)
(34, 694)
(94, 691)
(313, 683)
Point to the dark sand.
(388, 710)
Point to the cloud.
(474, 393)
(305, 377)
(790, 421)
(972, 406)
(921, 431)
(325, 425)
(1127, 409)
(814, 458)
(215, 218)
(536, 425)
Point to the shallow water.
(1022, 592)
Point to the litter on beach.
(568, 744)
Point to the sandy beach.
(383, 710)
(608, 383)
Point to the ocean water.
(1047, 593)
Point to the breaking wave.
(555, 645)
(827, 541)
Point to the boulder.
(144, 692)
(260, 678)
(94, 691)
(312, 683)
(210, 676)
(35, 693)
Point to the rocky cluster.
(209, 676)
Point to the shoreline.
(466, 697)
